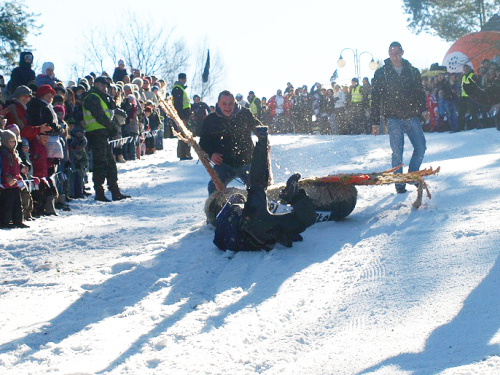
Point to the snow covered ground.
(137, 286)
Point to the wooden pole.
(185, 135)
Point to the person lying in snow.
(248, 225)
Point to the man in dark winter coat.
(398, 95)
(487, 96)
(183, 107)
(97, 107)
(226, 136)
(120, 71)
(23, 74)
(248, 225)
(200, 110)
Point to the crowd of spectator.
(45, 157)
(319, 110)
(346, 109)
(449, 105)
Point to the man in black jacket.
(97, 107)
(487, 96)
(226, 136)
(398, 95)
(120, 71)
(199, 110)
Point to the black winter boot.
(261, 132)
(116, 194)
(99, 194)
(291, 189)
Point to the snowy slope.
(137, 287)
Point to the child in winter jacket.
(27, 175)
(63, 167)
(11, 214)
(27, 202)
(44, 197)
(432, 108)
(79, 161)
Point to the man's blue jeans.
(228, 173)
(413, 128)
(452, 109)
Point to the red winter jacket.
(39, 159)
(17, 114)
(11, 168)
(272, 105)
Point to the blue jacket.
(228, 235)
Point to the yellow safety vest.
(466, 79)
(90, 122)
(253, 107)
(356, 96)
(185, 98)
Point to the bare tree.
(141, 45)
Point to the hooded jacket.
(396, 95)
(11, 163)
(44, 78)
(21, 75)
(230, 136)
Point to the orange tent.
(471, 49)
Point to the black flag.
(334, 76)
(204, 77)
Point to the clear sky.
(264, 44)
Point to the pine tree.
(15, 25)
(449, 19)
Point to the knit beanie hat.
(22, 90)
(131, 98)
(59, 108)
(137, 81)
(83, 82)
(43, 90)
(15, 129)
(6, 136)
